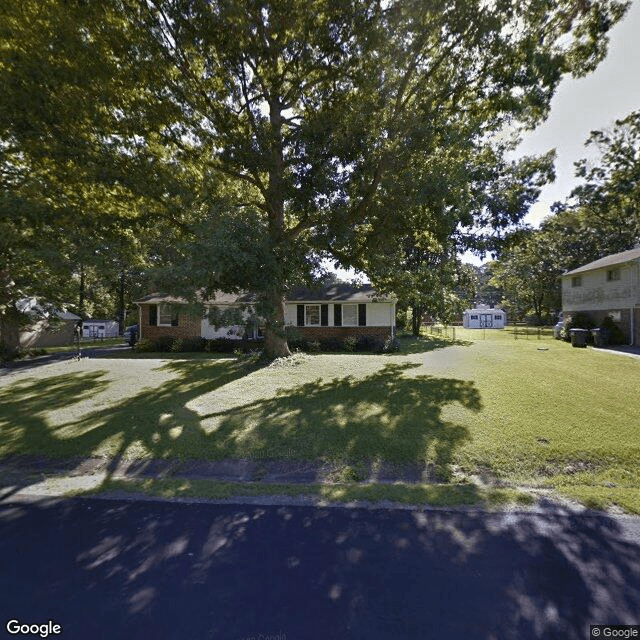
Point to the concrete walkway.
(633, 352)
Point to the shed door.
(486, 320)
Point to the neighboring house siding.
(595, 292)
(189, 325)
(37, 335)
(613, 290)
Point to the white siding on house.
(596, 293)
(290, 313)
(379, 314)
(235, 332)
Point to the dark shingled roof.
(220, 298)
(333, 293)
(607, 261)
(338, 293)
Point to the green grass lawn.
(485, 408)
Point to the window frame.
(613, 275)
(306, 315)
(172, 313)
(576, 281)
(355, 316)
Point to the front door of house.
(486, 320)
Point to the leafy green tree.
(610, 192)
(315, 113)
(528, 276)
(602, 215)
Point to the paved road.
(117, 569)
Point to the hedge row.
(171, 344)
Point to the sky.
(580, 106)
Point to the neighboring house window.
(576, 281)
(474, 317)
(312, 315)
(349, 315)
(167, 317)
(498, 317)
(613, 274)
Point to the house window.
(474, 317)
(498, 317)
(312, 315)
(613, 274)
(167, 317)
(576, 281)
(349, 315)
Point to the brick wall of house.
(315, 333)
(189, 326)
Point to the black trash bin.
(600, 337)
(579, 337)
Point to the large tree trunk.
(121, 306)
(9, 334)
(275, 339)
(81, 293)
(416, 320)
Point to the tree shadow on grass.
(150, 419)
(387, 416)
(24, 404)
(421, 344)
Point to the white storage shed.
(92, 329)
(484, 317)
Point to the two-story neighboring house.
(607, 287)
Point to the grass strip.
(440, 495)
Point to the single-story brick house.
(609, 286)
(337, 311)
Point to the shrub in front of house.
(330, 344)
(391, 345)
(221, 345)
(313, 346)
(145, 346)
(614, 332)
(369, 344)
(350, 343)
(580, 320)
